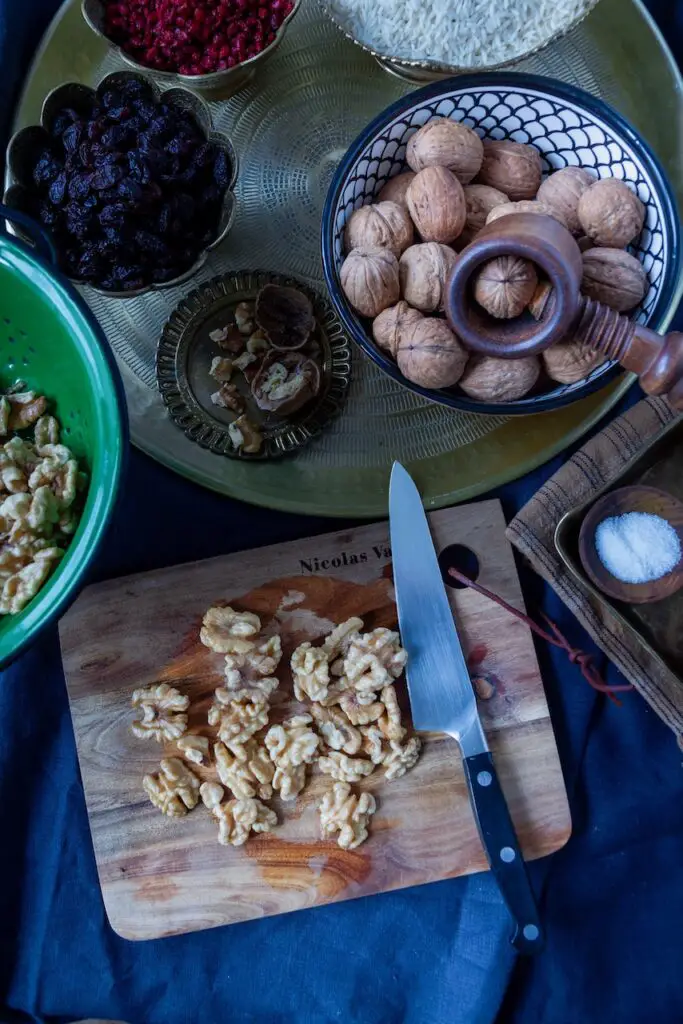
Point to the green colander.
(49, 339)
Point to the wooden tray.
(161, 876)
(291, 127)
(658, 626)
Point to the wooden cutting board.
(161, 876)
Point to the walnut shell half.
(369, 279)
(512, 167)
(423, 271)
(387, 327)
(499, 380)
(429, 354)
(505, 286)
(446, 143)
(285, 315)
(614, 277)
(286, 381)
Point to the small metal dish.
(184, 357)
(24, 145)
(214, 84)
(424, 72)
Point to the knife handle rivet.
(530, 932)
(484, 778)
(507, 854)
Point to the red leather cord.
(555, 637)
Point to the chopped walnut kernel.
(228, 397)
(265, 658)
(212, 794)
(373, 743)
(357, 711)
(163, 713)
(238, 715)
(246, 778)
(238, 818)
(336, 730)
(372, 661)
(341, 811)
(221, 369)
(291, 746)
(344, 768)
(390, 722)
(25, 409)
(229, 632)
(5, 410)
(337, 643)
(174, 789)
(244, 317)
(401, 759)
(310, 672)
(194, 748)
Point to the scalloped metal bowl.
(569, 127)
(422, 71)
(214, 84)
(22, 148)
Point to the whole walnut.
(445, 143)
(387, 327)
(429, 354)
(380, 226)
(562, 191)
(569, 361)
(395, 189)
(499, 380)
(505, 286)
(512, 167)
(525, 206)
(436, 202)
(610, 213)
(614, 277)
(423, 271)
(369, 280)
(479, 201)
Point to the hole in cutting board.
(457, 556)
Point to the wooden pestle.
(656, 359)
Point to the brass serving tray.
(290, 127)
(656, 626)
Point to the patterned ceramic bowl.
(569, 128)
(215, 84)
(24, 145)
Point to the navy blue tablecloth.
(612, 900)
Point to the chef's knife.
(442, 698)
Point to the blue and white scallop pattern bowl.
(569, 128)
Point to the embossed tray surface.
(290, 128)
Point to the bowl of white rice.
(569, 128)
(421, 39)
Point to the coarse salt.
(637, 547)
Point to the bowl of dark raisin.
(133, 185)
(210, 46)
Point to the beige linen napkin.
(533, 529)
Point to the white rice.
(461, 33)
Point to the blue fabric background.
(612, 900)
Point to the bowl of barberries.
(209, 46)
(133, 186)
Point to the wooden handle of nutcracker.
(657, 360)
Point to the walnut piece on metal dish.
(174, 789)
(243, 361)
(194, 748)
(248, 777)
(344, 768)
(310, 672)
(245, 436)
(164, 713)
(291, 746)
(228, 338)
(258, 344)
(239, 818)
(343, 812)
(336, 730)
(228, 397)
(244, 317)
(285, 382)
(401, 758)
(238, 716)
(227, 631)
(221, 370)
(285, 315)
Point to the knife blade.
(442, 698)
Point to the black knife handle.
(503, 852)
